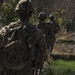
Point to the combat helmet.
(51, 17)
(42, 16)
(24, 6)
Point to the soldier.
(18, 42)
(68, 26)
(72, 25)
(45, 29)
(54, 26)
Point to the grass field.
(60, 67)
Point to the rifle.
(37, 62)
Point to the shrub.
(7, 12)
(61, 67)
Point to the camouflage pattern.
(18, 43)
(45, 29)
(14, 53)
(54, 27)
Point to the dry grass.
(65, 43)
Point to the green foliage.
(60, 16)
(34, 18)
(61, 67)
(7, 12)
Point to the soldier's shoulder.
(14, 24)
(36, 30)
(39, 33)
(41, 25)
(9, 27)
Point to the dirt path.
(65, 43)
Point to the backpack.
(16, 49)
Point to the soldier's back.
(13, 36)
(45, 28)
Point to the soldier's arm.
(43, 47)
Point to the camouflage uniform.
(18, 42)
(44, 28)
(54, 27)
(68, 26)
(46, 31)
(71, 26)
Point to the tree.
(7, 12)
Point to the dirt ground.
(65, 43)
